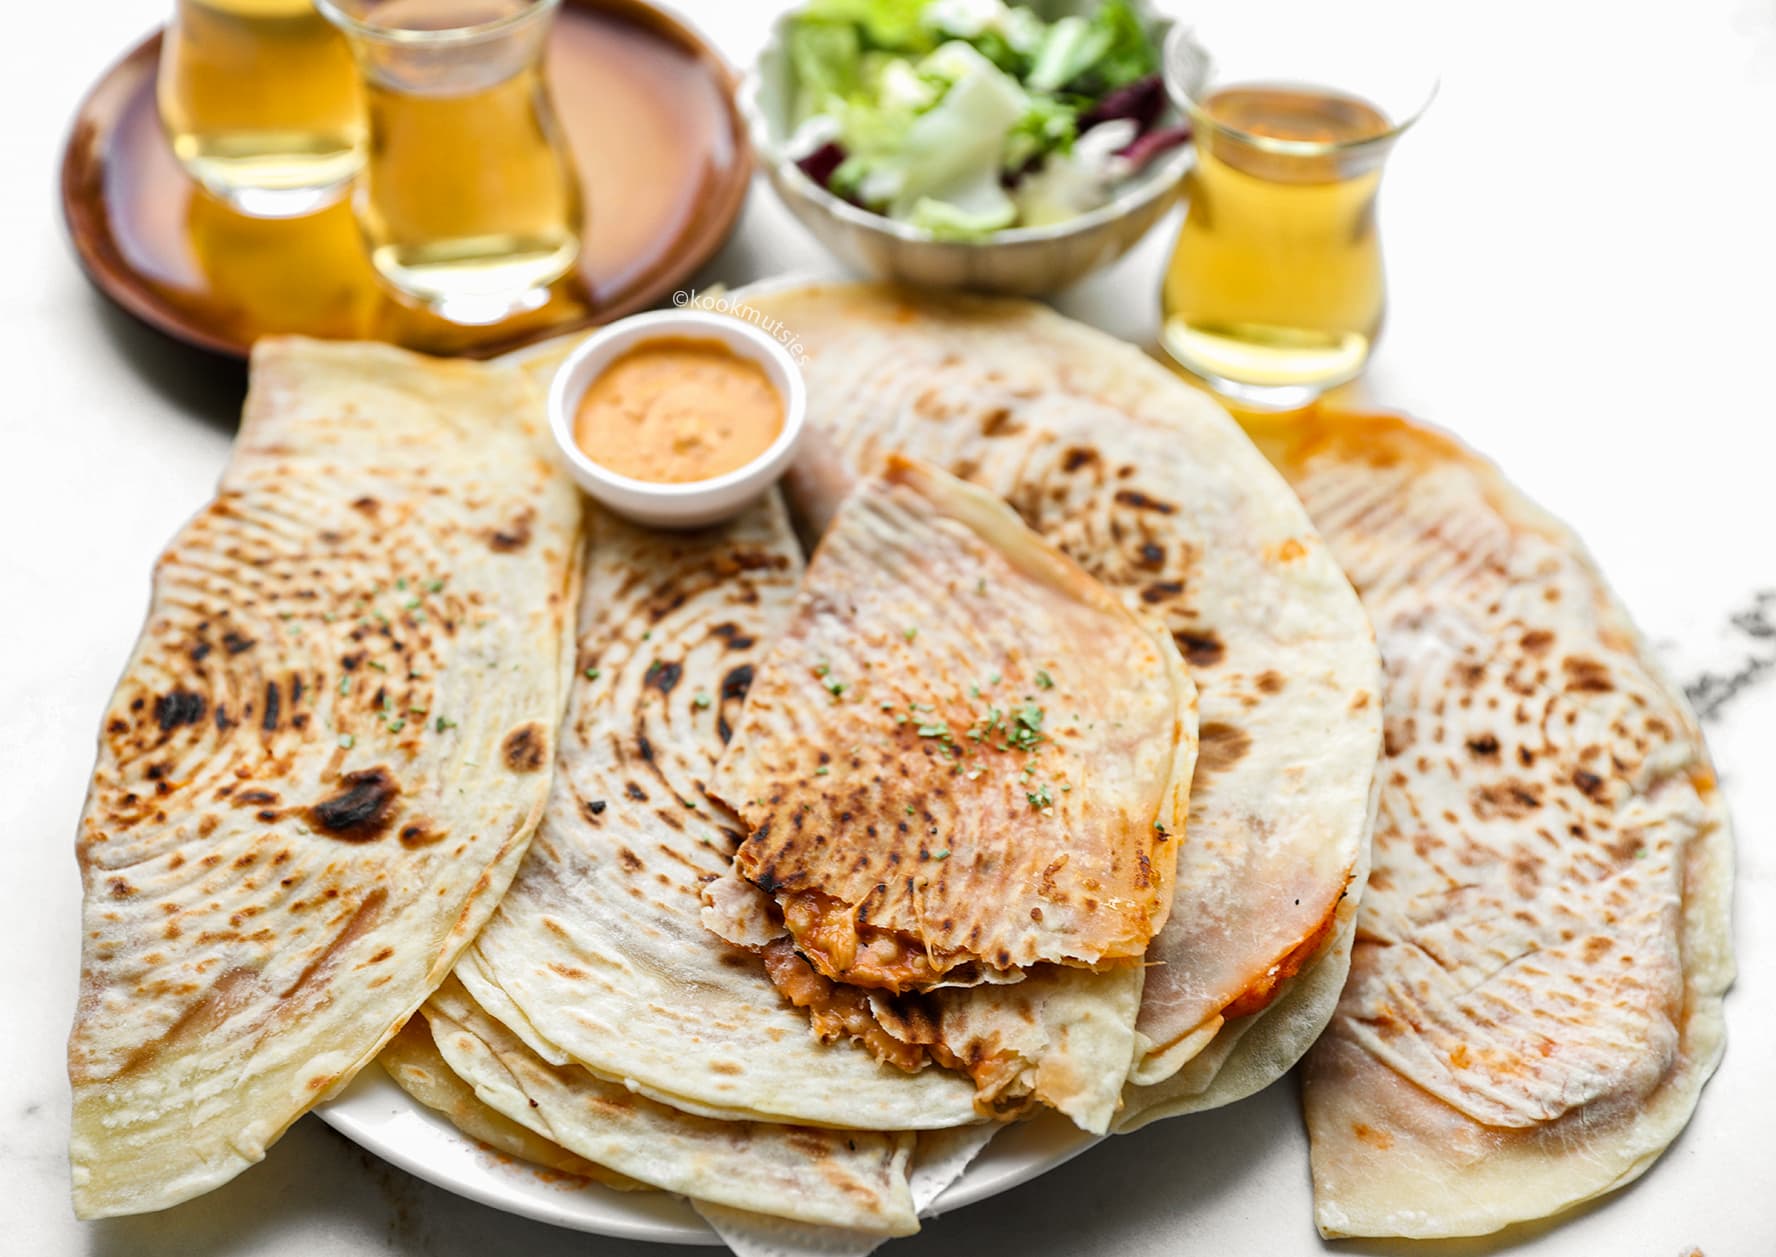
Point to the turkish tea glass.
(260, 102)
(1275, 290)
(468, 201)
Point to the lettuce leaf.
(892, 25)
(1048, 125)
(1127, 53)
(951, 151)
(1092, 56)
(825, 57)
(949, 221)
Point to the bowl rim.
(627, 495)
(1139, 190)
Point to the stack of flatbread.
(1036, 774)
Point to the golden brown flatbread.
(323, 762)
(961, 756)
(1535, 994)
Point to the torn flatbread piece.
(962, 756)
(842, 1178)
(324, 759)
(1535, 993)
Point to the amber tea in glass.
(1275, 290)
(467, 202)
(260, 101)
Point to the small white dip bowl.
(695, 503)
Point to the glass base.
(268, 183)
(478, 281)
(276, 202)
(1264, 367)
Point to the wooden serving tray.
(649, 113)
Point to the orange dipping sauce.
(676, 410)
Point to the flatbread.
(309, 794)
(851, 1179)
(598, 954)
(1153, 489)
(412, 1061)
(1238, 1063)
(1535, 995)
(961, 752)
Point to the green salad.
(967, 117)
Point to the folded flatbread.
(960, 806)
(323, 762)
(1153, 489)
(598, 956)
(412, 1060)
(854, 1179)
(961, 753)
(1534, 1001)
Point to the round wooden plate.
(649, 112)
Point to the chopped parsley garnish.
(822, 771)
(837, 688)
(941, 855)
(401, 583)
(411, 603)
(346, 741)
(345, 685)
(441, 724)
(1040, 797)
(379, 665)
(592, 674)
(937, 729)
(910, 632)
(980, 730)
(435, 586)
(701, 700)
(395, 726)
(1043, 680)
(1026, 732)
(821, 669)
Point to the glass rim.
(352, 24)
(1192, 102)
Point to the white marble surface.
(1584, 282)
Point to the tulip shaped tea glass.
(468, 202)
(260, 102)
(1275, 290)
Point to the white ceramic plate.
(376, 1114)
